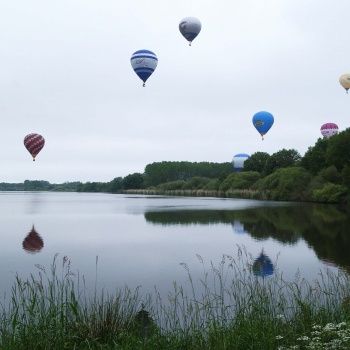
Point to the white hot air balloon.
(190, 28)
(144, 62)
(329, 129)
(238, 161)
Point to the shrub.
(243, 180)
(331, 174)
(212, 185)
(329, 193)
(195, 183)
(171, 186)
(287, 184)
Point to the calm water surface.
(142, 240)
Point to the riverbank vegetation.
(230, 307)
(321, 175)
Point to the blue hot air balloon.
(263, 122)
(144, 62)
(190, 27)
(238, 161)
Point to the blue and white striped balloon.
(238, 160)
(144, 62)
(190, 28)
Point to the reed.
(242, 194)
(227, 308)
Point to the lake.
(143, 240)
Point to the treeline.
(39, 185)
(321, 175)
(155, 174)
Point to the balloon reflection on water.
(33, 243)
(263, 266)
(238, 227)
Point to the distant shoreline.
(240, 194)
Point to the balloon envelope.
(263, 122)
(238, 161)
(344, 81)
(34, 143)
(329, 129)
(144, 62)
(190, 27)
(263, 266)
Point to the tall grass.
(243, 194)
(227, 308)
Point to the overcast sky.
(65, 73)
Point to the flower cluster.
(330, 337)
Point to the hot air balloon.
(190, 28)
(344, 81)
(144, 62)
(263, 266)
(329, 129)
(33, 243)
(238, 161)
(34, 143)
(263, 122)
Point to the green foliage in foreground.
(230, 308)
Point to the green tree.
(281, 159)
(330, 193)
(195, 183)
(116, 185)
(315, 157)
(287, 184)
(11, 186)
(331, 174)
(92, 187)
(171, 186)
(157, 173)
(240, 180)
(133, 182)
(212, 185)
(338, 151)
(256, 162)
(37, 185)
(345, 174)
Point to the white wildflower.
(303, 338)
(330, 327)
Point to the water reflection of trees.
(328, 235)
(189, 217)
(323, 227)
